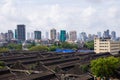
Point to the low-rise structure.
(102, 45)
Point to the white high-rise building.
(99, 34)
(73, 36)
(53, 34)
(113, 35)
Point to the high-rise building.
(21, 33)
(67, 36)
(106, 34)
(10, 35)
(58, 36)
(90, 37)
(16, 35)
(2, 36)
(99, 34)
(37, 35)
(62, 35)
(113, 35)
(53, 34)
(47, 35)
(73, 35)
(6, 36)
(32, 36)
(83, 36)
(28, 35)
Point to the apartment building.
(102, 45)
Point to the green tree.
(2, 65)
(2, 50)
(105, 67)
(39, 48)
(52, 48)
(84, 68)
(13, 46)
(89, 45)
(68, 45)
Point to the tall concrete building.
(58, 36)
(67, 36)
(62, 35)
(73, 35)
(113, 35)
(16, 35)
(83, 36)
(99, 34)
(53, 34)
(21, 33)
(37, 35)
(90, 37)
(32, 35)
(2, 36)
(10, 35)
(6, 36)
(106, 34)
(102, 45)
(28, 36)
(47, 35)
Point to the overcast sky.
(80, 15)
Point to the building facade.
(106, 34)
(21, 33)
(83, 36)
(62, 35)
(37, 35)
(73, 36)
(99, 34)
(102, 45)
(113, 35)
(10, 35)
(53, 34)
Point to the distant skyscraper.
(73, 35)
(32, 36)
(106, 34)
(99, 34)
(10, 35)
(113, 35)
(53, 34)
(90, 37)
(37, 35)
(58, 36)
(6, 36)
(47, 35)
(21, 33)
(16, 35)
(28, 35)
(62, 35)
(83, 36)
(2, 36)
(67, 36)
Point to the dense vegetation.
(68, 45)
(39, 48)
(64, 45)
(2, 64)
(2, 50)
(105, 67)
(13, 46)
(53, 47)
(89, 45)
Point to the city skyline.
(80, 15)
(53, 33)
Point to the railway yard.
(46, 65)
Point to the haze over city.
(59, 40)
(81, 15)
